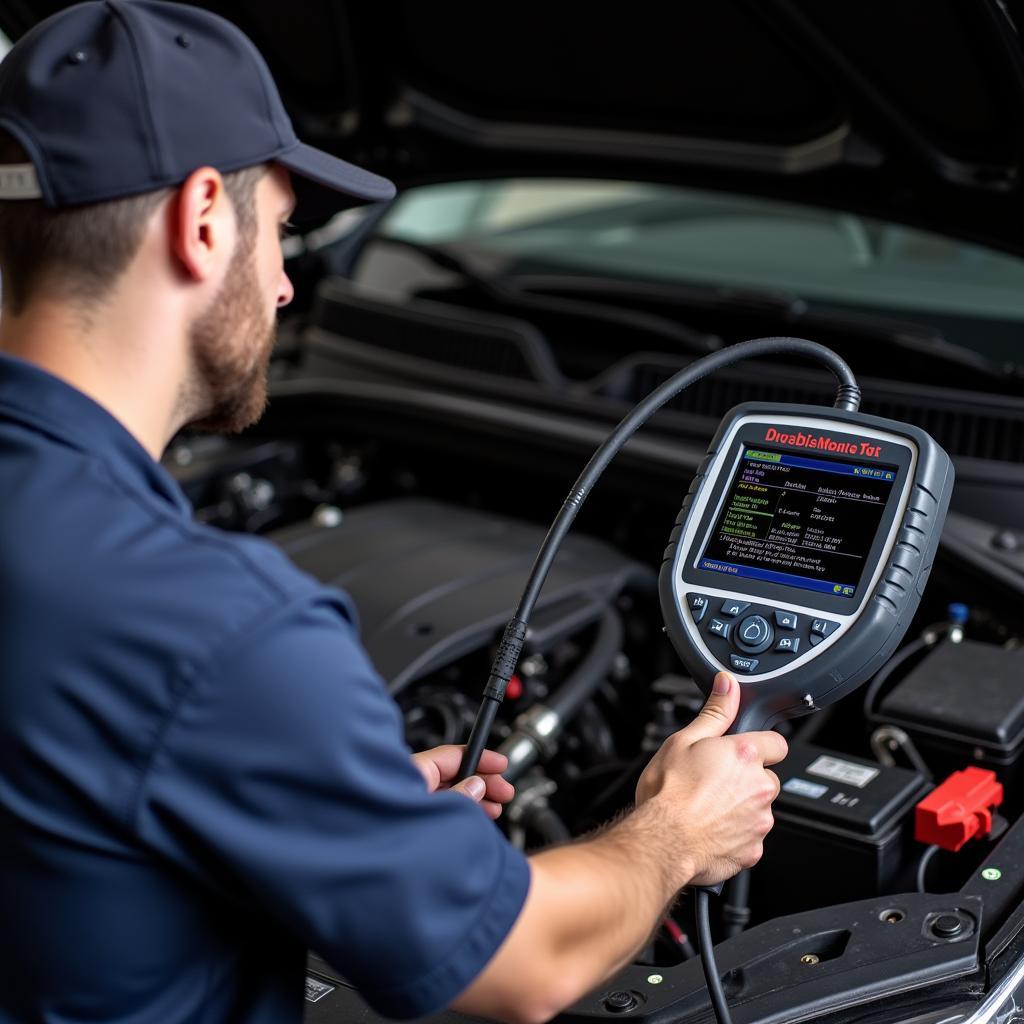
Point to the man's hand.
(704, 806)
(715, 791)
(439, 766)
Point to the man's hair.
(77, 253)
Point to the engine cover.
(433, 582)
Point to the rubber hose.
(574, 692)
(547, 824)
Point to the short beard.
(229, 388)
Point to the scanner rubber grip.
(749, 718)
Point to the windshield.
(974, 295)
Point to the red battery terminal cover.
(959, 809)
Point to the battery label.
(316, 989)
(846, 772)
(801, 787)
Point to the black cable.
(707, 958)
(478, 736)
(511, 645)
(883, 674)
(922, 867)
(736, 908)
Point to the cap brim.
(329, 184)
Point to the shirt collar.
(30, 395)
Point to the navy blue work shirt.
(201, 775)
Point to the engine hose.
(592, 670)
(736, 908)
(542, 820)
(534, 734)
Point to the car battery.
(963, 703)
(844, 830)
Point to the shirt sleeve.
(283, 774)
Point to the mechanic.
(201, 775)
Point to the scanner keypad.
(751, 638)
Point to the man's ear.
(202, 225)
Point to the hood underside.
(911, 111)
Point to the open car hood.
(911, 111)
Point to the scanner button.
(823, 627)
(754, 634)
(698, 606)
(719, 628)
(741, 664)
(788, 645)
(786, 620)
(730, 609)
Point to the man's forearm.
(602, 897)
(592, 905)
(705, 808)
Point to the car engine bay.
(428, 509)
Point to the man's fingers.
(498, 789)
(493, 810)
(770, 745)
(474, 787)
(491, 762)
(718, 712)
(427, 768)
(448, 758)
(440, 764)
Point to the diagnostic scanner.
(797, 561)
(801, 552)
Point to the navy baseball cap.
(115, 98)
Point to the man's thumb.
(719, 711)
(474, 787)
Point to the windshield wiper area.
(874, 344)
(928, 344)
(678, 336)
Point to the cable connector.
(959, 809)
(736, 918)
(506, 659)
(847, 397)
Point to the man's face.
(233, 338)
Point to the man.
(201, 775)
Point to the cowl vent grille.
(974, 425)
(442, 345)
(436, 332)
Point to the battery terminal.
(959, 809)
